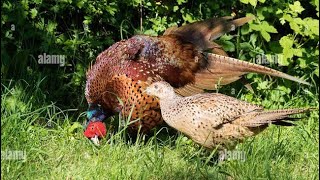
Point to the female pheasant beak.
(152, 89)
(160, 89)
(95, 130)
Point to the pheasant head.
(95, 113)
(161, 89)
(95, 128)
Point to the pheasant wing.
(216, 109)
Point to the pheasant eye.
(156, 86)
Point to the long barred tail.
(230, 67)
(277, 117)
(223, 70)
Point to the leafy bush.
(81, 29)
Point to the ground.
(53, 147)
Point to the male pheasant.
(213, 119)
(184, 56)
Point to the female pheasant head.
(162, 90)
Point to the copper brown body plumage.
(180, 57)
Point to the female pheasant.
(213, 119)
(181, 57)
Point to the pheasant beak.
(95, 140)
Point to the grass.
(56, 149)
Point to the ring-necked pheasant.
(212, 119)
(180, 57)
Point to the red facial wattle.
(95, 129)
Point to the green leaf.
(244, 1)
(296, 7)
(298, 52)
(275, 47)
(80, 4)
(253, 38)
(246, 45)
(316, 4)
(316, 71)
(181, 1)
(265, 28)
(111, 9)
(286, 42)
(265, 35)
(263, 85)
(279, 11)
(34, 13)
(284, 89)
(245, 30)
(37, 1)
(294, 26)
(175, 8)
(150, 32)
(25, 4)
(302, 63)
(228, 46)
(268, 28)
(253, 2)
(260, 13)
(226, 37)
(51, 26)
(188, 18)
(311, 27)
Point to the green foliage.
(82, 29)
(289, 32)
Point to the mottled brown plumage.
(178, 57)
(216, 119)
